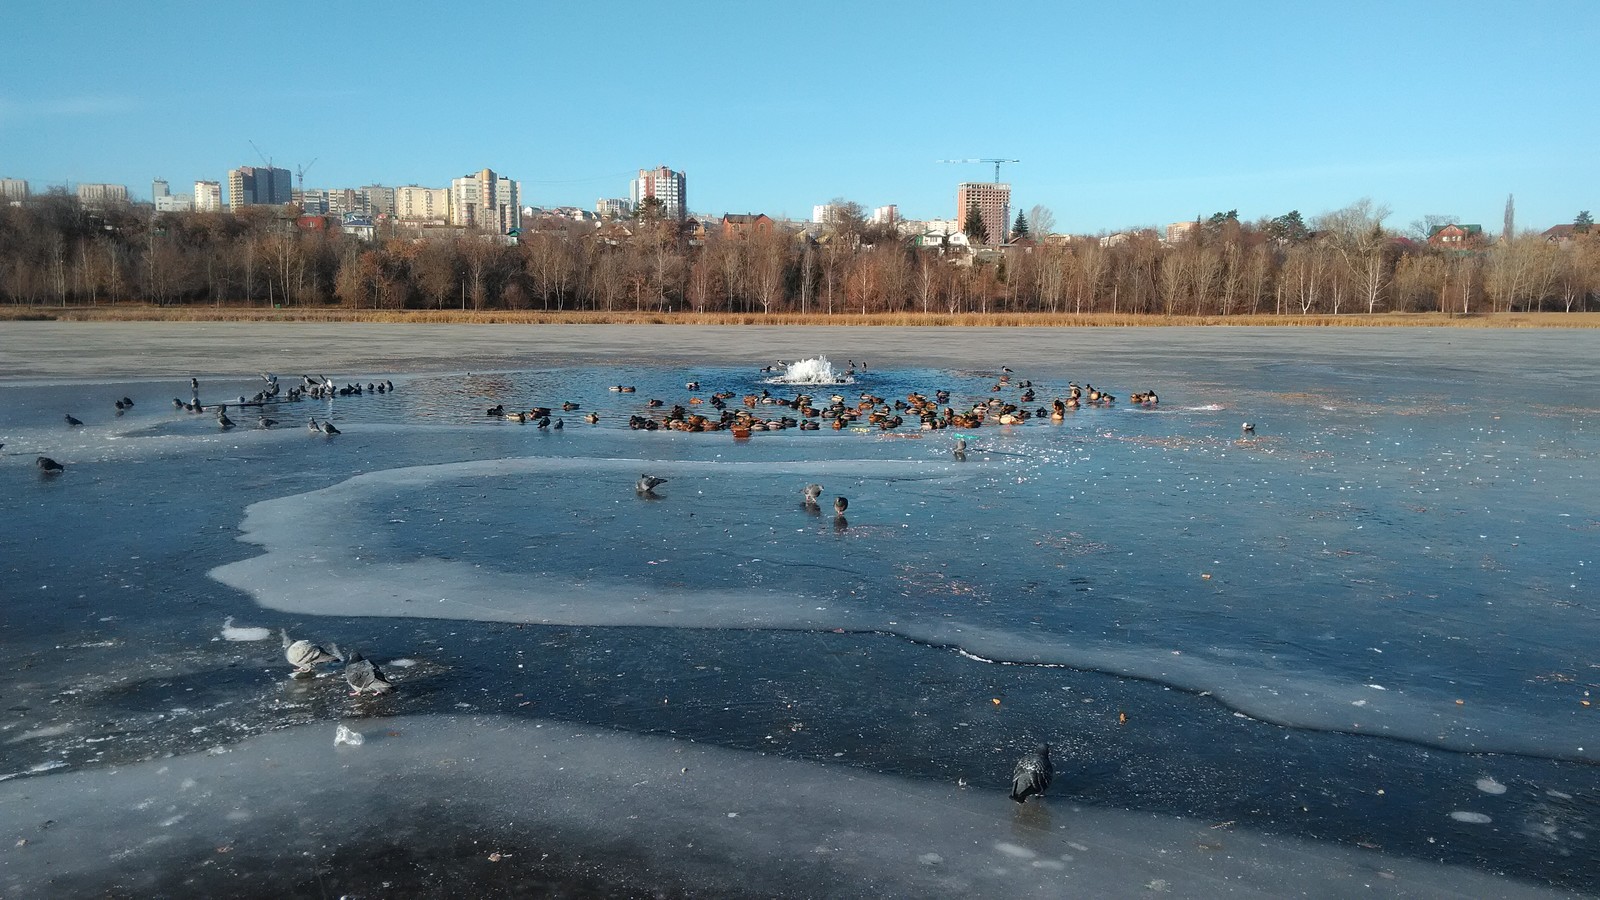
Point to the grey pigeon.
(364, 675)
(303, 655)
(960, 447)
(811, 492)
(1032, 774)
(327, 428)
(647, 484)
(314, 427)
(49, 466)
(73, 421)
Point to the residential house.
(1456, 237)
(742, 225)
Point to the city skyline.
(1119, 118)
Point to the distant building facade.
(1178, 232)
(738, 226)
(207, 196)
(1456, 236)
(993, 203)
(487, 201)
(159, 188)
(420, 205)
(170, 202)
(885, 215)
(258, 186)
(665, 185)
(614, 207)
(13, 189)
(380, 200)
(102, 194)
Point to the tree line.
(53, 251)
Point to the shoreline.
(336, 315)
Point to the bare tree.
(1041, 221)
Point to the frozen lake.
(1353, 650)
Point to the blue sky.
(1121, 115)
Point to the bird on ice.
(303, 655)
(811, 492)
(364, 676)
(1248, 428)
(327, 427)
(840, 504)
(265, 422)
(73, 421)
(1032, 774)
(49, 466)
(223, 421)
(314, 428)
(647, 484)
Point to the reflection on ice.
(544, 802)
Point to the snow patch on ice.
(1472, 818)
(231, 633)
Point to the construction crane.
(260, 154)
(996, 162)
(300, 173)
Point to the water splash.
(813, 371)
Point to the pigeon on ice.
(647, 484)
(73, 420)
(303, 655)
(1032, 774)
(811, 492)
(364, 675)
(327, 427)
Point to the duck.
(591, 418)
(1248, 428)
(72, 421)
(647, 484)
(49, 466)
(265, 422)
(840, 504)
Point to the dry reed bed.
(143, 313)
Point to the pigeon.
(1032, 774)
(49, 466)
(840, 504)
(303, 655)
(647, 484)
(314, 427)
(327, 428)
(364, 675)
(811, 492)
(73, 421)
(960, 449)
(558, 425)
(1248, 428)
(265, 422)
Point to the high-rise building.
(258, 186)
(487, 201)
(993, 202)
(207, 196)
(885, 215)
(13, 189)
(379, 199)
(159, 188)
(174, 203)
(102, 194)
(664, 185)
(422, 205)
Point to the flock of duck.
(313, 387)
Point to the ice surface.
(642, 811)
(1394, 523)
(231, 632)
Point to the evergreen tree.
(973, 226)
(1583, 222)
(1289, 228)
(1019, 229)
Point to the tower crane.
(996, 162)
(300, 172)
(260, 154)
